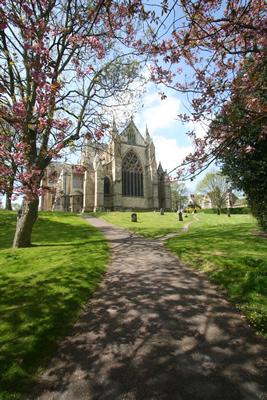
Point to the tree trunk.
(25, 221)
(8, 205)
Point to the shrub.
(235, 210)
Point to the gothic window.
(106, 185)
(77, 181)
(132, 176)
(131, 137)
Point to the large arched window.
(132, 176)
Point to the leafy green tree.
(244, 158)
(179, 194)
(217, 187)
(248, 170)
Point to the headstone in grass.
(134, 217)
(161, 211)
(180, 215)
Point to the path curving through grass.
(229, 250)
(155, 329)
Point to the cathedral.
(120, 175)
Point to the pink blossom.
(3, 17)
(27, 9)
(19, 109)
(98, 134)
(249, 149)
(62, 124)
(59, 146)
(79, 169)
(42, 123)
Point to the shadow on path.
(155, 330)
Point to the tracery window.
(77, 181)
(132, 176)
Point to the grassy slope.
(234, 256)
(42, 289)
(227, 249)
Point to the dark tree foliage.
(245, 159)
(248, 172)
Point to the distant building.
(206, 201)
(118, 176)
(192, 202)
(230, 200)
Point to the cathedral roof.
(130, 125)
(132, 128)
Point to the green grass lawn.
(228, 250)
(234, 256)
(149, 224)
(42, 290)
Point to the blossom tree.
(62, 62)
(203, 49)
(215, 52)
(244, 158)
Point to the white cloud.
(161, 118)
(169, 153)
(158, 114)
(200, 128)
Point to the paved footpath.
(155, 330)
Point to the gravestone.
(161, 211)
(180, 216)
(134, 217)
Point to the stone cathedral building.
(121, 175)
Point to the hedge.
(234, 210)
